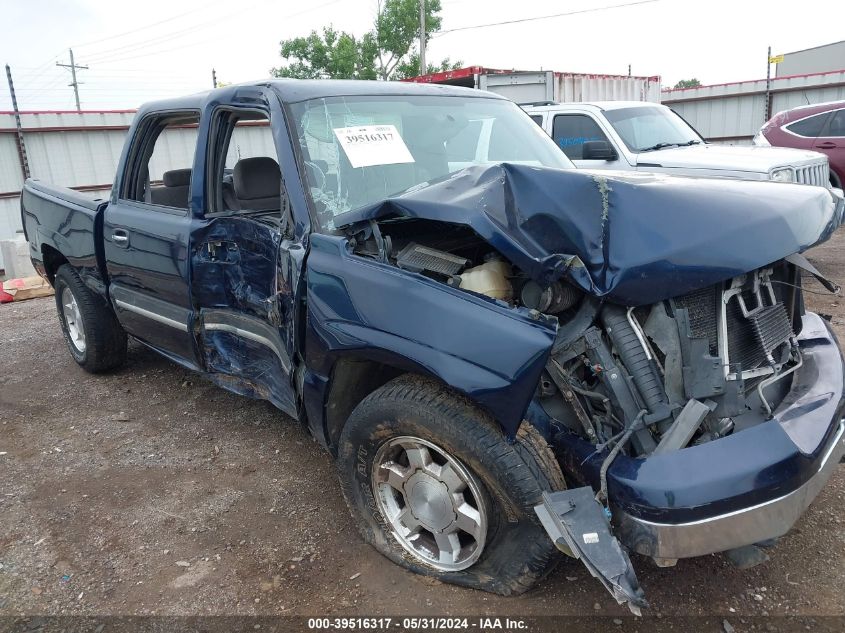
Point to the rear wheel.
(436, 487)
(95, 339)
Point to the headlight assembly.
(783, 174)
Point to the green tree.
(388, 51)
(334, 54)
(688, 83)
(411, 66)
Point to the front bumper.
(738, 490)
(754, 524)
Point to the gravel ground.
(151, 491)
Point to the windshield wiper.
(659, 146)
(688, 143)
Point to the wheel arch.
(53, 260)
(355, 376)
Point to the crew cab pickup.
(633, 135)
(506, 356)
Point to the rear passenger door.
(146, 232)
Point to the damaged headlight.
(784, 174)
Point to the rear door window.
(836, 127)
(571, 131)
(810, 127)
(159, 167)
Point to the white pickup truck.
(635, 135)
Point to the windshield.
(649, 127)
(359, 150)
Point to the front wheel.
(95, 339)
(436, 487)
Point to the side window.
(245, 174)
(161, 161)
(537, 118)
(571, 131)
(837, 124)
(810, 127)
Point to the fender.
(490, 352)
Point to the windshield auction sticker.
(369, 145)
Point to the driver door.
(245, 266)
(571, 131)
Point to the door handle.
(826, 145)
(120, 238)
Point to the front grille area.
(817, 174)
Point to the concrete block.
(14, 258)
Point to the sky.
(140, 51)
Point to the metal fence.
(72, 149)
(734, 112)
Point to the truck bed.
(58, 220)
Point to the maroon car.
(819, 127)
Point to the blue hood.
(631, 238)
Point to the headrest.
(257, 177)
(177, 178)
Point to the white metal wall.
(72, 149)
(535, 87)
(572, 87)
(735, 112)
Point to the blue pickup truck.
(506, 356)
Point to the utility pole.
(768, 81)
(21, 146)
(423, 67)
(73, 66)
(213, 77)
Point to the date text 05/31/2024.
(419, 623)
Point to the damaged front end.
(687, 390)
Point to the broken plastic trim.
(578, 526)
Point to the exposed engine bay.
(641, 381)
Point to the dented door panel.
(243, 299)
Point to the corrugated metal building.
(72, 149)
(818, 59)
(547, 85)
(734, 112)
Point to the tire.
(503, 482)
(95, 339)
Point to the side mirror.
(598, 150)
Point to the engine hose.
(636, 360)
(605, 465)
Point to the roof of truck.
(294, 90)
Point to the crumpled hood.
(749, 158)
(632, 238)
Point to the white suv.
(642, 136)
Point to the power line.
(204, 7)
(105, 54)
(542, 17)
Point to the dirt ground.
(151, 491)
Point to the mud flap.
(578, 527)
